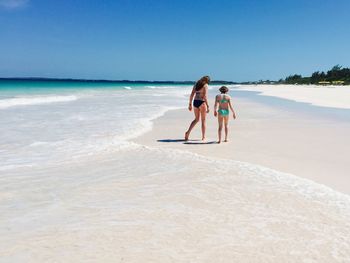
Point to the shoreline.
(296, 144)
(186, 202)
(326, 96)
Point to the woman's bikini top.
(198, 95)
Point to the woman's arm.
(230, 105)
(205, 97)
(191, 98)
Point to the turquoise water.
(54, 121)
(11, 87)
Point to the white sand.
(172, 206)
(166, 201)
(327, 96)
(292, 142)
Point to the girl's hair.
(223, 89)
(200, 83)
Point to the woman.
(200, 105)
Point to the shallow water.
(55, 125)
(156, 205)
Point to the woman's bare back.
(200, 94)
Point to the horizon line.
(109, 80)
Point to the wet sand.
(303, 142)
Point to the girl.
(224, 102)
(200, 104)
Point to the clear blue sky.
(172, 40)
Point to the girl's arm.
(205, 97)
(216, 106)
(230, 105)
(191, 98)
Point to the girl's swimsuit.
(223, 112)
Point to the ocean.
(75, 187)
(54, 122)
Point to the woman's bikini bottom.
(197, 103)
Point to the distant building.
(338, 82)
(324, 82)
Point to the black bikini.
(197, 103)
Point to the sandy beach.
(325, 96)
(94, 194)
(309, 145)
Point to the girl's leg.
(226, 127)
(220, 121)
(203, 111)
(193, 123)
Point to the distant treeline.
(337, 75)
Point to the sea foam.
(94, 122)
(34, 100)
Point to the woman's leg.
(193, 123)
(203, 111)
(220, 121)
(226, 127)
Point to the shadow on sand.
(187, 142)
(171, 140)
(200, 142)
